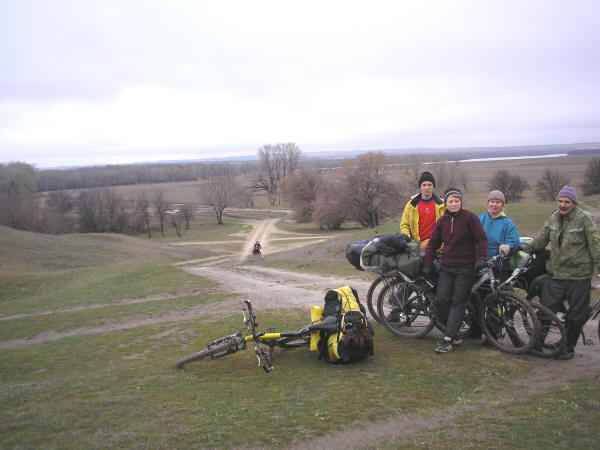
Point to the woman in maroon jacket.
(463, 255)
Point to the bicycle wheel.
(553, 334)
(216, 350)
(372, 295)
(509, 322)
(405, 310)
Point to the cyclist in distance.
(463, 255)
(575, 253)
(422, 211)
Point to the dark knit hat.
(569, 192)
(426, 176)
(452, 191)
(497, 195)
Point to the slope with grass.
(92, 325)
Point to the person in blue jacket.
(502, 236)
(499, 228)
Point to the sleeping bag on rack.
(408, 260)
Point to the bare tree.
(276, 161)
(449, 175)
(142, 207)
(550, 184)
(591, 183)
(414, 166)
(60, 201)
(511, 185)
(161, 205)
(176, 218)
(187, 212)
(368, 195)
(330, 212)
(218, 193)
(301, 189)
(89, 206)
(17, 184)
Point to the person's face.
(494, 207)
(453, 204)
(426, 189)
(565, 205)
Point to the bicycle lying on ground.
(264, 341)
(407, 308)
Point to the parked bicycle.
(264, 342)
(553, 332)
(407, 308)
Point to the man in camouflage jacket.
(575, 252)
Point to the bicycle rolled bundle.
(392, 253)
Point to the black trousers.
(575, 292)
(453, 293)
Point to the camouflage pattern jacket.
(579, 253)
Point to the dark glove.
(479, 265)
(427, 271)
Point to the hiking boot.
(457, 341)
(444, 345)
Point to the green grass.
(528, 216)
(564, 417)
(120, 389)
(89, 285)
(202, 230)
(19, 328)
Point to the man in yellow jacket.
(422, 211)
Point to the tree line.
(366, 189)
(119, 175)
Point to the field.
(93, 324)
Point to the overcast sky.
(94, 82)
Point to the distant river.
(502, 158)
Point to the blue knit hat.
(569, 192)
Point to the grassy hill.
(91, 325)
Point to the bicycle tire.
(405, 310)
(553, 334)
(210, 350)
(509, 322)
(371, 300)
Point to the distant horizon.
(340, 154)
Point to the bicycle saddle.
(329, 323)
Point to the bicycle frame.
(264, 341)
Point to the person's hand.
(427, 271)
(424, 243)
(504, 248)
(479, 264)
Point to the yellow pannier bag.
(316, 316)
